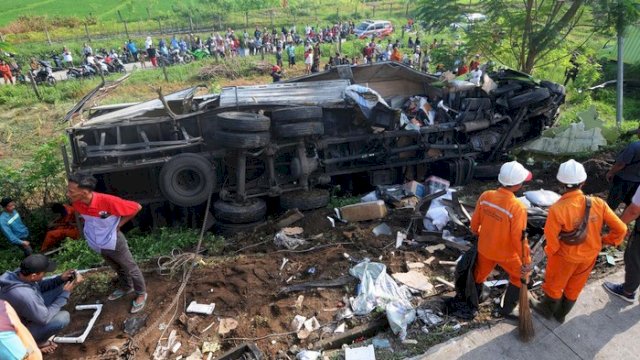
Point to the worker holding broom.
(573, 234)
(499, 222)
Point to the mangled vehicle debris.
(375, 124)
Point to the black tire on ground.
(229, 230)
(51, 81)
(295, 114)
(305, 200)
(249, 140)
(528, 98)
(237, 213)
(243, 121)
(187, 179)
(300, 129)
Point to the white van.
(375, 28)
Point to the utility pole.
(620, 79)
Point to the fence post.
(390, 6)
(159, 26)
(190, 23)
(126, 30)
(374, 11)
(34, 86)
(86, 31)
(406, 12)
(46, 32)
(164, 71)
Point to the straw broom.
(525, 325)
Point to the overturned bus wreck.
(356, 126)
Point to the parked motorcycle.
(114, 65)
(57, 61)
(198, 54)
(174, 58)
(82, 71)
(44, 75)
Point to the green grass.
(76, 254)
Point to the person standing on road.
(12, 226)
(131, 46)
(624, 175)
(395, 54)
(104, 215)
(67, 57)
(291, 54)
(627, 290)
(153, 55)
(573, 232)
(499, 222)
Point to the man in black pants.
(624, 175)
(627, 290)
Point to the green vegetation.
(76, 254)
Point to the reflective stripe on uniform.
(501, 209)
(13, 219)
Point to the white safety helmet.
(513, 173)
(571, 172)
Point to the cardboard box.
(416, 188)
(364, 211)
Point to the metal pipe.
(302, 156)
(241, 173)
(619, 84)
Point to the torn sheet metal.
(142, 109)
(320, 93)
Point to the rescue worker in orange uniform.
(61, 228)
(499, 222)
(570, 261)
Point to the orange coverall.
(65, 228)
(569, 266)
(499, 220)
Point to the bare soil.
(245, 285)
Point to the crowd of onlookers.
(282, 44)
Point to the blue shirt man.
(624, 175)
(12, 226)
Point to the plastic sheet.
(365, 98)
(437, 211)
(308, 355)
(542, 197)
(378, 289)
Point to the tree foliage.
(526, 34)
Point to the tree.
(522, 34)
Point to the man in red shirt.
(103, 216)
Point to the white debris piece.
(415, 279)
(361, 353)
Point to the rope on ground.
(187, 261)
